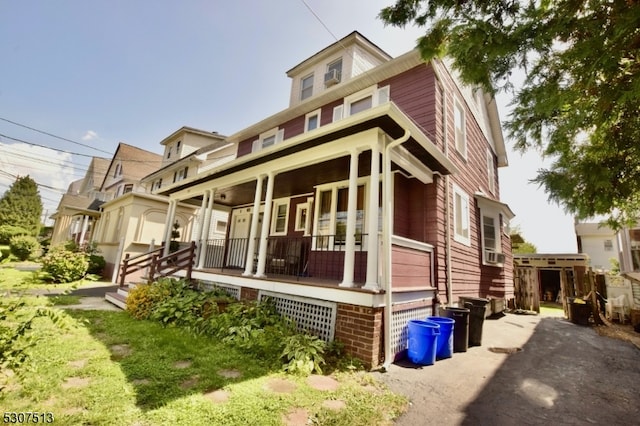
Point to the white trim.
(411, 164)
(491, 172)
(338, 113)
(317, 113)
(465, 217)
(412, 244)
(305, 227)
(274, 216)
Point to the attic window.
(306, 87)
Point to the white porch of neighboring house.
(322, 242)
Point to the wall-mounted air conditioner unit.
(332, 77)
(493, 257)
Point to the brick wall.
(360, 330)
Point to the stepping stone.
(181, 365)
(218, 396)
(77, 364)
(75, 382)
(323, 383)
(281, 386)
(334, 404)
(140, 382)
(229, 374)
(296, 417)
(189, 383)
(120, 351)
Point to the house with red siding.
(370, 201)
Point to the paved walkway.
(564, 374)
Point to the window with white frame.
(267, 139)
(490, 234)
(312, 120)
(280, 217)
(608, 245)
(491, 172)
(331, 222)
(459, 122)
(361, 101)
(334, 73)
(157, 184)
(221, 226)
(180, 174)
(302, 218)
(461, 209)
(127, 188)
(306, 87)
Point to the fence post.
(152, 268)
(123, 270)
(192, 250)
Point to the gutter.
(387, 215)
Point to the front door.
(239, 238)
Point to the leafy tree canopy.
(21, 205)
(580, 99)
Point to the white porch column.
(350, 237)
(251, 247)
(266, 226)
(85, 226)
(372, 221)
(200, 227)
(205, 232)
(171, 214)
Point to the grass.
(106, 368)
(551, 309)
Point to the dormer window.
(267, 139)
(334, 73)
(178, 148)
(169, 153)
(306, 87)
(312, 120)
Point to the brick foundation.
(248, 294)
(359, 328)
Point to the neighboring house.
(599, 242)
(368, 202)
(78, 209)
(187, 152)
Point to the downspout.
(387, 214)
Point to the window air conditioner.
(493, 257)
(332, 77)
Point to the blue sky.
(102, 72)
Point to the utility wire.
(54, 136)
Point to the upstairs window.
(334, 73)
(459, 122)
(461, 214)
(312, 120)
(180, 174)
(157, 184)
(361, 101)
(127, 188)
(267, 139)
(306, 87)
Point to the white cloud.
(90, 135)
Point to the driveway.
(564, 374)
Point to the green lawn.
(106, 368)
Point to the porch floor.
(289, 279)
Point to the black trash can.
(580, 312)
(477, 311)
(460, 327)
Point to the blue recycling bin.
(444, 345)
(422, 340)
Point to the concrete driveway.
(564, 374)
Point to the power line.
(11, 175)
(53, 136)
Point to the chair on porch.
(283, 256)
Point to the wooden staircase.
(155, 265)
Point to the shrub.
(23, 246)
(143, 298)
(9, 231)
(96, 264)
(64, 266)
(303, 354)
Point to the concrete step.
(117, 299)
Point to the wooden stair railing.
(158, 265)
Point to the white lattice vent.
(232, 290)
(399, 329)
(316, 316)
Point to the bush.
(9, 231)
(303, 354)
(23, 246)
(64, 266)
(143, 298)
(96, 264)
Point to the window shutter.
(382, 95)
(256, 146)
(280, 136)
(337, 113)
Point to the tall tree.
(580, 99)
(21, 205)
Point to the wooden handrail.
(159, 266)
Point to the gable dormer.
(334, 65)
(185, 141)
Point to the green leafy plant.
(9, 231)
(24, 246)
(303, 354)
(64, 266)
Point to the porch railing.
(319, 256)
(155, 265)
